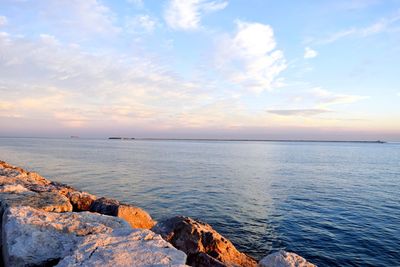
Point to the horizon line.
(206, 139)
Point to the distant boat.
(74, 136)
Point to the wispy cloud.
(310, 53)
(141, 24)
(65, 83)
(250, 57)
(3, 21)
(326, 98)
(77, 19)
(382, 25)
(298, 112)
(187, 14)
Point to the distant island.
(121, 138)
(253, 140)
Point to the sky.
(259, 69)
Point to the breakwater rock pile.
(46, 223)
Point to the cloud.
(49, 39)
(187, 14)
(70, 87)
(326, 98)
(141, 23)
(298, 112)
(137, 3)
(250, 57)
(3, 21)
(382, 25)
(310, 53)
(70, 18)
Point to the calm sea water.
(336, 204)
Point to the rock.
(284, 259)
(135, 216)
(57, 187)
(14, 175)
(81, 201)
(47, 201)
(34, 237)
(12, 188)
(195, 237)
(9, 170)
(140, 248)
(204, 260)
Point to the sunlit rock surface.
(135, 216)
(47, 201)
(139, 248)
(198, 239)
(284, 259)
(34, 237)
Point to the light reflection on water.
(336, 204)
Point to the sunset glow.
(200, 69)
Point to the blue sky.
(201, 68)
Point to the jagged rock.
(47, 201)
(139, 248)
(9, 170)
(14, 175)
(284, 259)
(194, 237)
(12, 188)
(81, 201)
(60, 188)
(135, 216)
(34, 237)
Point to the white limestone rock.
(284, 259)
(35, 237)
(139, 248)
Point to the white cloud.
(141, 23)
(3, 21)
(383, 25)
(249, 58)
(310, 53)
(77, 19)
(68, 86)
(49, 39)
(187, 14)
(326, 98)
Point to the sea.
(335, 204)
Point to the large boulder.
(11, 176)
(47, 201)
(33, 237)
(199, 241)
(284, 259)
(81, 201)
(140, 248)
(14, 175)
(135, 216)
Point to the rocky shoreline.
(45, 223)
